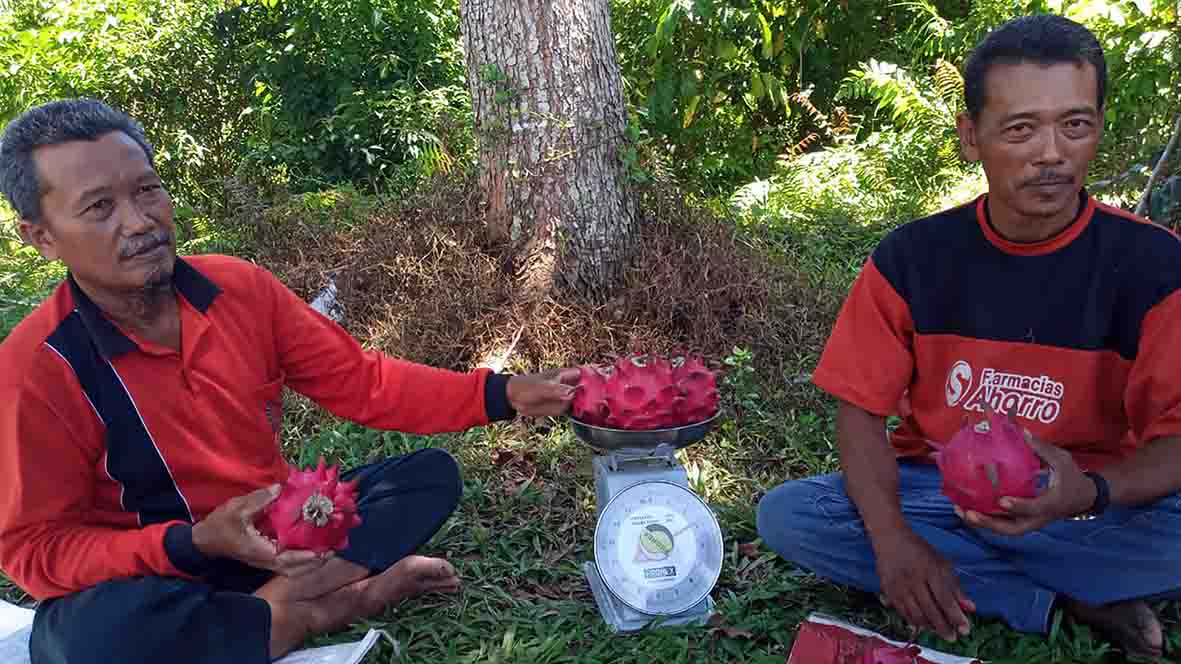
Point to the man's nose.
(134, 220)
(1049, 151)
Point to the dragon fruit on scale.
(644, 391)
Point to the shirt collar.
(193, 285)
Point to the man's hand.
(1068, 493)
(229, 532)
(548, 393)
(921, 584)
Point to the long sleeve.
(322, 361)
(50, 544)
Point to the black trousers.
(403, 502)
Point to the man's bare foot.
(409, 577)
(1131, 624)
(292, 621)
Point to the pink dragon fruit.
(314, 511)
(645, 391)
(700, 389)
(979, 467)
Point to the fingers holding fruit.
(1067, 493)
(290, 528)
(546, 394)
(992, 472)
(228, 531)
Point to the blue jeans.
(1126, 553)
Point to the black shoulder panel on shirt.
(1091, 294)
(132, 457)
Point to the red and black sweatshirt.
(111, 446)
(1077, 334)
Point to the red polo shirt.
(111, 446)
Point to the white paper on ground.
(16, 623)
(13, 618)
(933, 655)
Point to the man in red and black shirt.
(139, 426)
(1045, 305)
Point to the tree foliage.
(722, 93)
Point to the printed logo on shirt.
(959, 381)
(1031, 397)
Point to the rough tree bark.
(552, 130)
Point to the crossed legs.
(245, 617)
(1101, 570)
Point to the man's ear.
(966, 128)
(40, 237)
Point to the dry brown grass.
(418, 281)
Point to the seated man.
(1041, 302)
(140, 418)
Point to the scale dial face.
(658, 547)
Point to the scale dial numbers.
(658, 547)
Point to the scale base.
(622, 618)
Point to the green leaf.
(690, 110)
(775, 88)
(726, 50)
(665, 28)
(661, 101)
(768, 44)
(688, 84)
(756, 86)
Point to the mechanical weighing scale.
(657, 545)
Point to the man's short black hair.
(50, 124)
(1043, 39)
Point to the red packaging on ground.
(826, 640)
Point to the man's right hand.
(229, 532)
(921, 584)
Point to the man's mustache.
(1048, 177)
(144, 243)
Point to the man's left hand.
(1068, 493)
(548, 393)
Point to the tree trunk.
(551, 125)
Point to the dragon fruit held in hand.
(314, 511)
(979, 467)
(645, 391)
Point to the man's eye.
(100, 206)
(149, 187)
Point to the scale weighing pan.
(627, 439)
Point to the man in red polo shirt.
(139, 425)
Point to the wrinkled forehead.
(71, 168)
(1039, 88)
